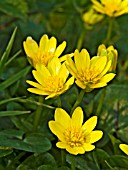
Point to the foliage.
(26, 142)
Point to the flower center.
(111, 8)
(54, 84)
(75, 136)
(43, 58)
(89, 76)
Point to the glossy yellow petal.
(52, 45)
(68, 83)
(82, 60)
(97, 6)
(37, 91)
(77, 117)
(90, 124)
(97, 85)
(60, 49)
(62, 145)
(62, 117)
(63, 72)
(108, 77)
(88, 147)
(95, 136)
(52, 95)
(124, 148)
(38, 86)
(71, 66)
(41, 76)
(57, 129)
(64, 57)
(30, 47)
(80, 84)
(75, 150)
(54, 66)
(99, 65)
(43, 45)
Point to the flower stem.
(80, 40)
(38, 114)
(73, 163)
(101, 101)
(80, 97)
(109, 33)
(58, 101)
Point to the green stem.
(80, 40)
(38, 114)
(101, 101)
(73, 163)
(79, 99)
(109, 33)
(59, 102)
(63, 157)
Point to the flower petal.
(88, 147)
(71, 66)
(41, 74)
(124, 148)
(37, 91)
(38, 86)
(97, 85)
(54, 66)
(43, 45)
(80, 84)
(90, 124)
(82, 60)
(96, 135)
(52, 45)
(57, 129)
(60, 49)
(30, 47)
(77, 117)
(62, 117)
(108, 77)
(63, 72)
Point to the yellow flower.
(45, 51)
(73, 136)
(91, 17)
(89, 73)
(112, 8)
(111, 54)
(51, 79)
(124, 148)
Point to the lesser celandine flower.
(51, 80)
(112, 8)
(89, 73)
(124, 148)
(111, 54)
(91, 17)
(73, 136)
(45, 51)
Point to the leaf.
(7, 51)
(36, 161)
(13, 113)
(4, 151)
(14, 78)
(11, 140)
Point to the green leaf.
(14, 78)
(5, 56)
(9, 100)
(12, 141)
(117, 161)
(36, 161)
(4, 151)
(13, 113)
